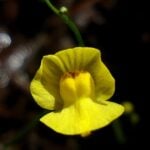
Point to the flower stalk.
(67, 20)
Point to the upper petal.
(77, 58)
(82, 117)
(103, 80)
(89, 59)
(45, 85)
(40, 94)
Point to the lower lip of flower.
(75, 85)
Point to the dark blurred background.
(29, 30)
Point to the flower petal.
(89, 59)
(40, 94)
(45, 85)
(77, 58)
(104, 81)
(82, 117)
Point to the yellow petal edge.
(82, 117)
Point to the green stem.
(120, 136)
(67, 20)
(52, 7)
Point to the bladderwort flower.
(75, 84)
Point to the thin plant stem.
(119, 134)
(67, 20)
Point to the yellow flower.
(75, 84)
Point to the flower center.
(75, 85)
